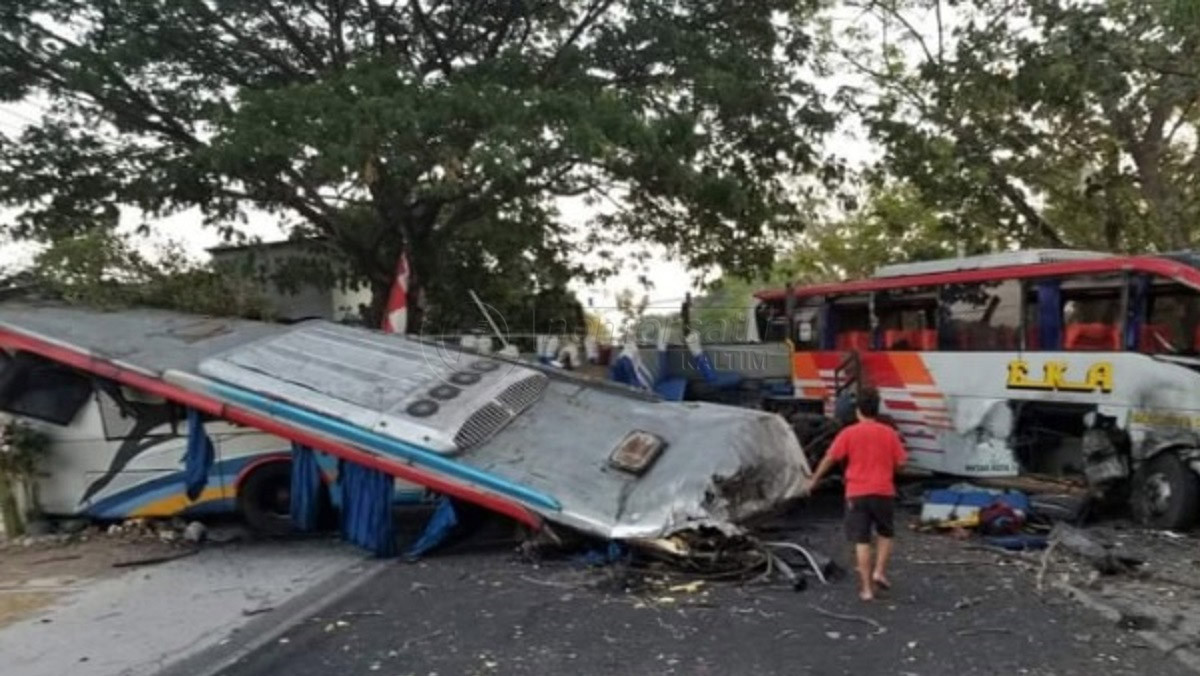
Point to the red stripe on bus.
(85, 362)
(1159, 266)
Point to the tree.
(446, 130)
(1044, 122)
(103, 270)
(893, 225)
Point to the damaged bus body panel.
(591, 456)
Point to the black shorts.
(870, 512)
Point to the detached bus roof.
(1183, 267)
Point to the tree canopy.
(449, 130)
(1041, 122)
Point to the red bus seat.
(1093, 336)
(1033, 338)
(1153, 337)
(897, 339)
(910, 339)
(925, 339)
(854, 340)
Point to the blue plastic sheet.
(439, 527)
(613, 552)
(306, 488)
(199, 456)
(723, 380)
(367, 508)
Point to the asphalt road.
(954, 611)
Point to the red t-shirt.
(874, 452)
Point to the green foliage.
(893, 225)
(22, 449)
(101, 269)
(1045, 122)
(445, 129)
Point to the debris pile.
(699, 556)
(1009, 519)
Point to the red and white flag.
(395, 315)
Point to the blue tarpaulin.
(198, 459)
(613, 552)
(306, 488)
(367, 508)
(439, 527)
(723, 380)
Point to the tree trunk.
(382, 290)
(10, 511)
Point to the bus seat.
(925, 339)
(1004, 338)
(898, 339)
(1152, 338)
(1092, 336)
(1033, 339)
(854, 340)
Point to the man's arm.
(834, 455)
(823, 468)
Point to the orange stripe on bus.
(804, 365)
(911, 368)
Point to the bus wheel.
(265, 497)
(1166, 493)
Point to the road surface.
(954, 611)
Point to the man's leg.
(883, 511)
(858, 533)
(862, 552)
(883, 552)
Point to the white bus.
(1053, 362)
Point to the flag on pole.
(395, 315)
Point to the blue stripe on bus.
(393, 447)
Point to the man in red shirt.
(872, 452)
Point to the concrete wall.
(304, 302)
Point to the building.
(281, 268)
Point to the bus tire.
(1166, 493)
(264, 498)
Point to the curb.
(1189, 658)
(269, 627)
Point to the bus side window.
(43, 390)
(772, 324)
(129, 413)
(806, 334)
(981, 317)
(1171, 326)
(907, 319)
(850, 323)
(1092, 313)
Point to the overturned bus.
(536, 444)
